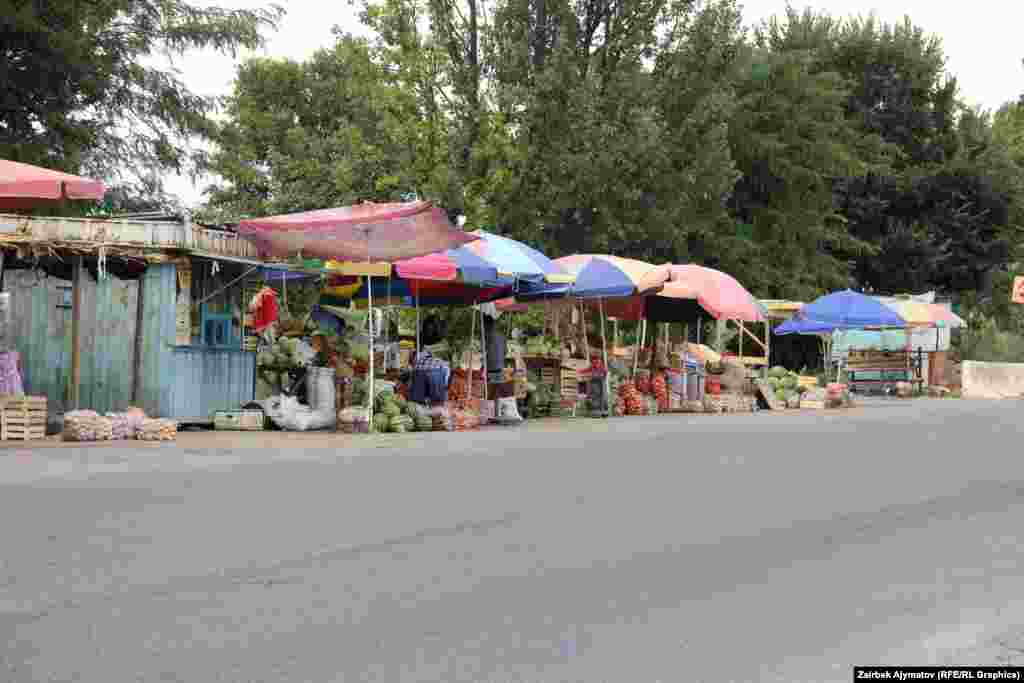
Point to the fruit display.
(458, 386)
(786, 386)
(660, 388)
(401, 423)
(631, 398)
(381, 422)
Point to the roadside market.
(365, 342)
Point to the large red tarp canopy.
(363, 232)
(23, 186)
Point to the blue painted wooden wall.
(159, 290)
(208, 380)
(41, 334)
(177, 382)
(109, 309)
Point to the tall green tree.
(333, 130)
(78, 91)
(791, 140)
(937, 207)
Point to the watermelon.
(778, 372)
(381, 422)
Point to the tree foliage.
(78, 90)
(809, 154)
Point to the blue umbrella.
(846, 310)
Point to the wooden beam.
(76, 331)
(744, 330)
(140, 309)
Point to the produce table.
(885, 364)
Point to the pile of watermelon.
(786, 386)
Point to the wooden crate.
(238, 420)
(812, 405)
(22, 418)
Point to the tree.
(333, 130)
(791, 141)
(939, 203)
(76, 93)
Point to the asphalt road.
(678, 548)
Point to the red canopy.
(23, 186)
(364, 232)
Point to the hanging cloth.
(264, 309)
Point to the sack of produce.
(124, 425)
(80, 425)
(354, 421)
(508, 411)
(104, 429)
(733, 378)
(441, 417)
(157, 430)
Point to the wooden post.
(140, 312)
(76, 330)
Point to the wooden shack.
(106, 314)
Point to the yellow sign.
(1017, 295)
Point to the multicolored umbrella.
(918, 314)
(718, 293)
(23, 186)
(604, 277)
(451, 265)
(364, 232)
(516, 260)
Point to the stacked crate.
(569, 384)
(22, 418)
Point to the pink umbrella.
(23, 186)
(717, 293)
(364, 232)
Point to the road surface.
(678, 548)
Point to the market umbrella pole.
(604, 357)
(469, 363)
(369, 328)
(643, 338)
(483, 354)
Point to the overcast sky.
(981, 41)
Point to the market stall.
(366, 239)
(607, 385)
(849, 310)
(688, 296)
